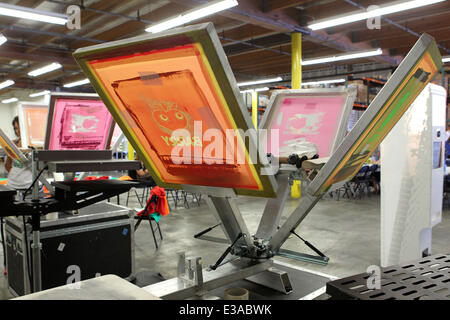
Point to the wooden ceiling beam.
(14, 52)
(22, 3)
(134, 26)
(274, 5)
(390, 31)
(250, 12)
(86, 17)
(413, 20)
(244, 33)
(409, 40)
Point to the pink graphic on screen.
(79, 125)
(310, 119)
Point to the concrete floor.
(347, 231)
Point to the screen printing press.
(155, 84)
(168, 90)
(87, 236)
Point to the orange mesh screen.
(36, 122)
(158, 92)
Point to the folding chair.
(150, 218)
(354, 185)
(146, 187)
(369, 178)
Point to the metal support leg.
(137, 196)
(177, 289)
(273, 278)
(274, 209)
(159, 229)
(36, 254)
(307, 202)
(153, 231)
(227, 212)
(36, 224)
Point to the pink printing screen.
(310, 119)
(79, 125)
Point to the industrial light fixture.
(76, 83)
(255, 90)
(356, 55)
(6, 83)
(38, 94)
(3, 39)
(11, 100)
(323, 82)
(364, 14)
(46, 69)
(32, 14)
(249, 83)
(192, 15)
(446, 59)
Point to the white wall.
(7, 114)
(10, 110)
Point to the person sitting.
(20, 177)
(141, 174)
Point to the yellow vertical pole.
(296, 50)
(296, 75)
(255, 109)
(130, 152)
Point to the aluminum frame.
(22, 121)
(69, 95)
(206, 35)
(278, 96)
(13, 147)
(315, 190)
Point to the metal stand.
(36, 226)
(274, 208)
(274, 279)
(178, 288)
(64, 198)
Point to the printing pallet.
(426, 279)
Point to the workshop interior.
(225, 150)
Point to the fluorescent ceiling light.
(323, 82)
(255, 90)
(11, 100)
(32, 14)
(446, 59)
(38, 94)
(3, 39)
(46, 69)
(364, 14)
(192, 15)
(76, 83)
(249, 83)
(6, 83)
(350, 56)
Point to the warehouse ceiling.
(255, 36)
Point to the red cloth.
(97, 178)
(160, 206)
